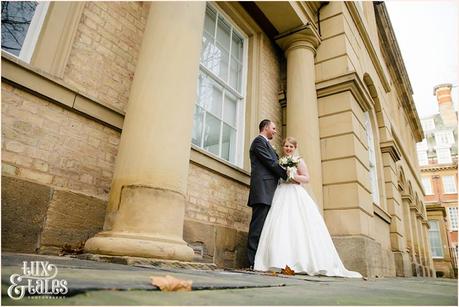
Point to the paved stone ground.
(101, 283)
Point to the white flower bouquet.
(290, 163)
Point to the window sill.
(200, 157)
(380, 212)
(35, 81)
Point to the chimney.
(445, 104)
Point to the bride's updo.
(290, 140)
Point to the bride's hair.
(290, 140)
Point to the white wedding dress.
(295, 234)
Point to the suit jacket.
(265, 173)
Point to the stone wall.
(48, 144)
(104, 55)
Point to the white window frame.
(442, 157)
(449, 187)
(422, 145)
(428, 124)
(372, 159)
(444, 138)
(437, 232)
(423, 159)
(452, 214)
(241, 97)
(33, 32)
(427, 184)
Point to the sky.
(427, 34)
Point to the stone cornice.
(393, 57)
(351, 6)
(348, 82)
(408, 198)
(382, 214)
(434, 168)
(391, 148)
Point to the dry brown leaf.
(273, 273)
(169, 283)
(287, 271)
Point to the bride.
(294, 232)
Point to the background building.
(126, 127)
(438, 160)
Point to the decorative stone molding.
(349, 82)
(351, 6)
(393, 57)
(392, 149)
(408, 198)
(384, 215)
(57, 35)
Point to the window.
(443, 155)
(428, 124)
(444, 138)
(372, 159)
(219, 112)
(452, 211)
(427, 184)
(449, 185)
(21, 24)
(435, 239)
(422, 145)
(422, 157)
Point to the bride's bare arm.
(302, 175)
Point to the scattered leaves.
(169, 283)
(287, 271)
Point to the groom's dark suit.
(263, 182)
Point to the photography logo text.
(38, 279)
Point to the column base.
(138, 245)
(402, 264)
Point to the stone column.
(419, 242)
(302, 110)
(425, 235)
(406, 200)
(414, 222)
(429, 251)
(147, 200)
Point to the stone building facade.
(438, 159)
(126, 125)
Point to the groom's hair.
(264, 123)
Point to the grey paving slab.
(95, 283)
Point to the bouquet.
(290, 163)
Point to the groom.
(263, 182)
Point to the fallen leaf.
(287, 271)
(169, 283)
(273, 273)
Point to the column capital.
(303, 37)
